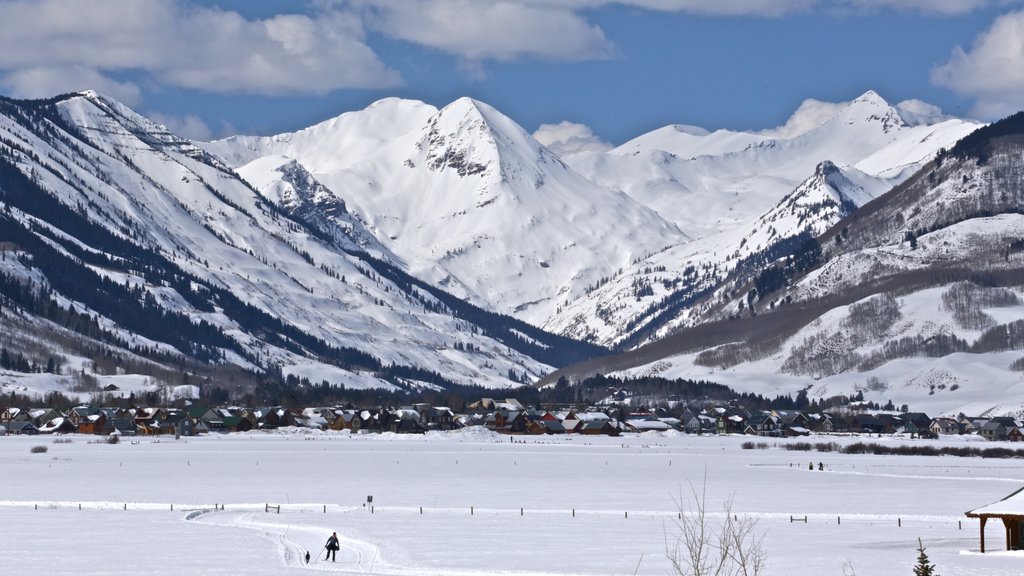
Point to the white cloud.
(809, 115)
(992, 71)
(189, 126)
(920, 107)
(945, 7)
(490, 29)
(183, 45)
(569, 138)
(42, 82)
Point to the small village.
(505, 416)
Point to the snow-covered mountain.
(915, 297)
(136, 244)
(409, 246)
(744, 207)
(464, 197)
(714, 182)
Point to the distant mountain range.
(407, 246)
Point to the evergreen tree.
(924, 566)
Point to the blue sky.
(621, 67)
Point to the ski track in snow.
(363, 557)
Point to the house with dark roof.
(21, 427)
(996, 429)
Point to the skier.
(332, 547)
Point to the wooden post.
(325, 508)
(1006, 524)
(839, 520)
(983, 520)
(899, 522)
(520, 511)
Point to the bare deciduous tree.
(707, 544)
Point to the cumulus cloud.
(809, 115)
(491, 30)
(189, 126)
(991, 71)
(567, 138)
(183, 45)
(45, 81)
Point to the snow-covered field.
(471, 503)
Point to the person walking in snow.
(332, 547)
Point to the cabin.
(1010, 510)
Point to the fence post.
(520, 511)
(899, 522)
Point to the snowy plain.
(472, 502)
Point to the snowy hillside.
(745, 206)
(915, 297)
(150, 248)
(467, 199)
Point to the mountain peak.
(870, 108)
(871, 97)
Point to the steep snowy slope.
(915, 297)
(678, 286)
(173, 257)
(466, 198)
(799, 188)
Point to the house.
(92, 424)
(866, 423)
(58, 425)
(437, 417)
(41, 416)
(553, 427)
(793, 431)
(345, 420)
(1015, 434)
(701, 424)
(996, 429)
(597, 427)
(234, 424)
(120, 426)
(1011, 511)
(943, 426)
(764, 424)
(13, 414)
(832, 423)
(21, 427)
(648, 424)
